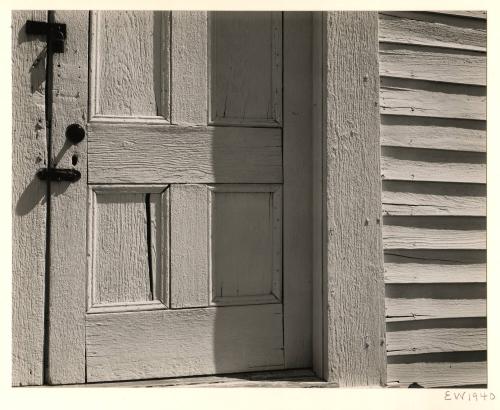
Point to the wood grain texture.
(460, 257)
(440, 374)
(432, 64)
(317, 197)
(434, 273)
(297, 189)
(189, 67)
(407, 164)
(399, 309)
(433, 137)
(245, 244)
(478, 14)
(433, 199)
(296, 378)
(68, 254)
(413, 97)
(406, 236)
(420, 341)
(404, 30)
(430, 133)
(246, 68)
(189, 243)
(29, 152)
(354, 285)
(121, 271)
(163, 343)
(118, 154)
(130, 64)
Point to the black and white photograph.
(243, 198)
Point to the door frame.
(346, 237)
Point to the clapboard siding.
(435, 340)
(440, 374)
(433, 169)
(425, 99)
(433, 133)
(400, 28)
(433, 198)
(432, 64)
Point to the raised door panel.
(128, 248)
(130, 65)
(246, 244)
(245, 68)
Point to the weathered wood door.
(185, 249)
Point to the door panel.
(128, 247)
(198, 221)
(245, 68)
(130, 65)
(167, 343)
(245, 244)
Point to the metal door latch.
(58, 174)
(55, 32)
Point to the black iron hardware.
(55, 32)
(75, 133)
(59, 174)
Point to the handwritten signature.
(468, 396)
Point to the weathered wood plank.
(354, 324)
(189, 275)
(478, 14)
(416, 237)
(297, 200)
(404, 205)
(433, 199)
(184, 342)
(189, 67)
(434, 273)
(438, 374)
(460, 257)
(245, 244)
(408, 164)
(118, 154)
(130, 64)
(435, 340)
(400, 309)
(281, 378)
(398, 29)
(317, 198)
(29, 152)
(68, 244)
(432, 64)
(124, 267)
(411, 97)
(246, 68)
(430, 133)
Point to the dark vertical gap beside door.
(49, 75)
(283, 31)
(148, 239)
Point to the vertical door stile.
(68, 252)
(297, 192)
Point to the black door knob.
(75, 133)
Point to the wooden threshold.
(299, 378)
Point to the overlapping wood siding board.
(433, 164)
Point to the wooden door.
(190, 236)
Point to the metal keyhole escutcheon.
(75, 133)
